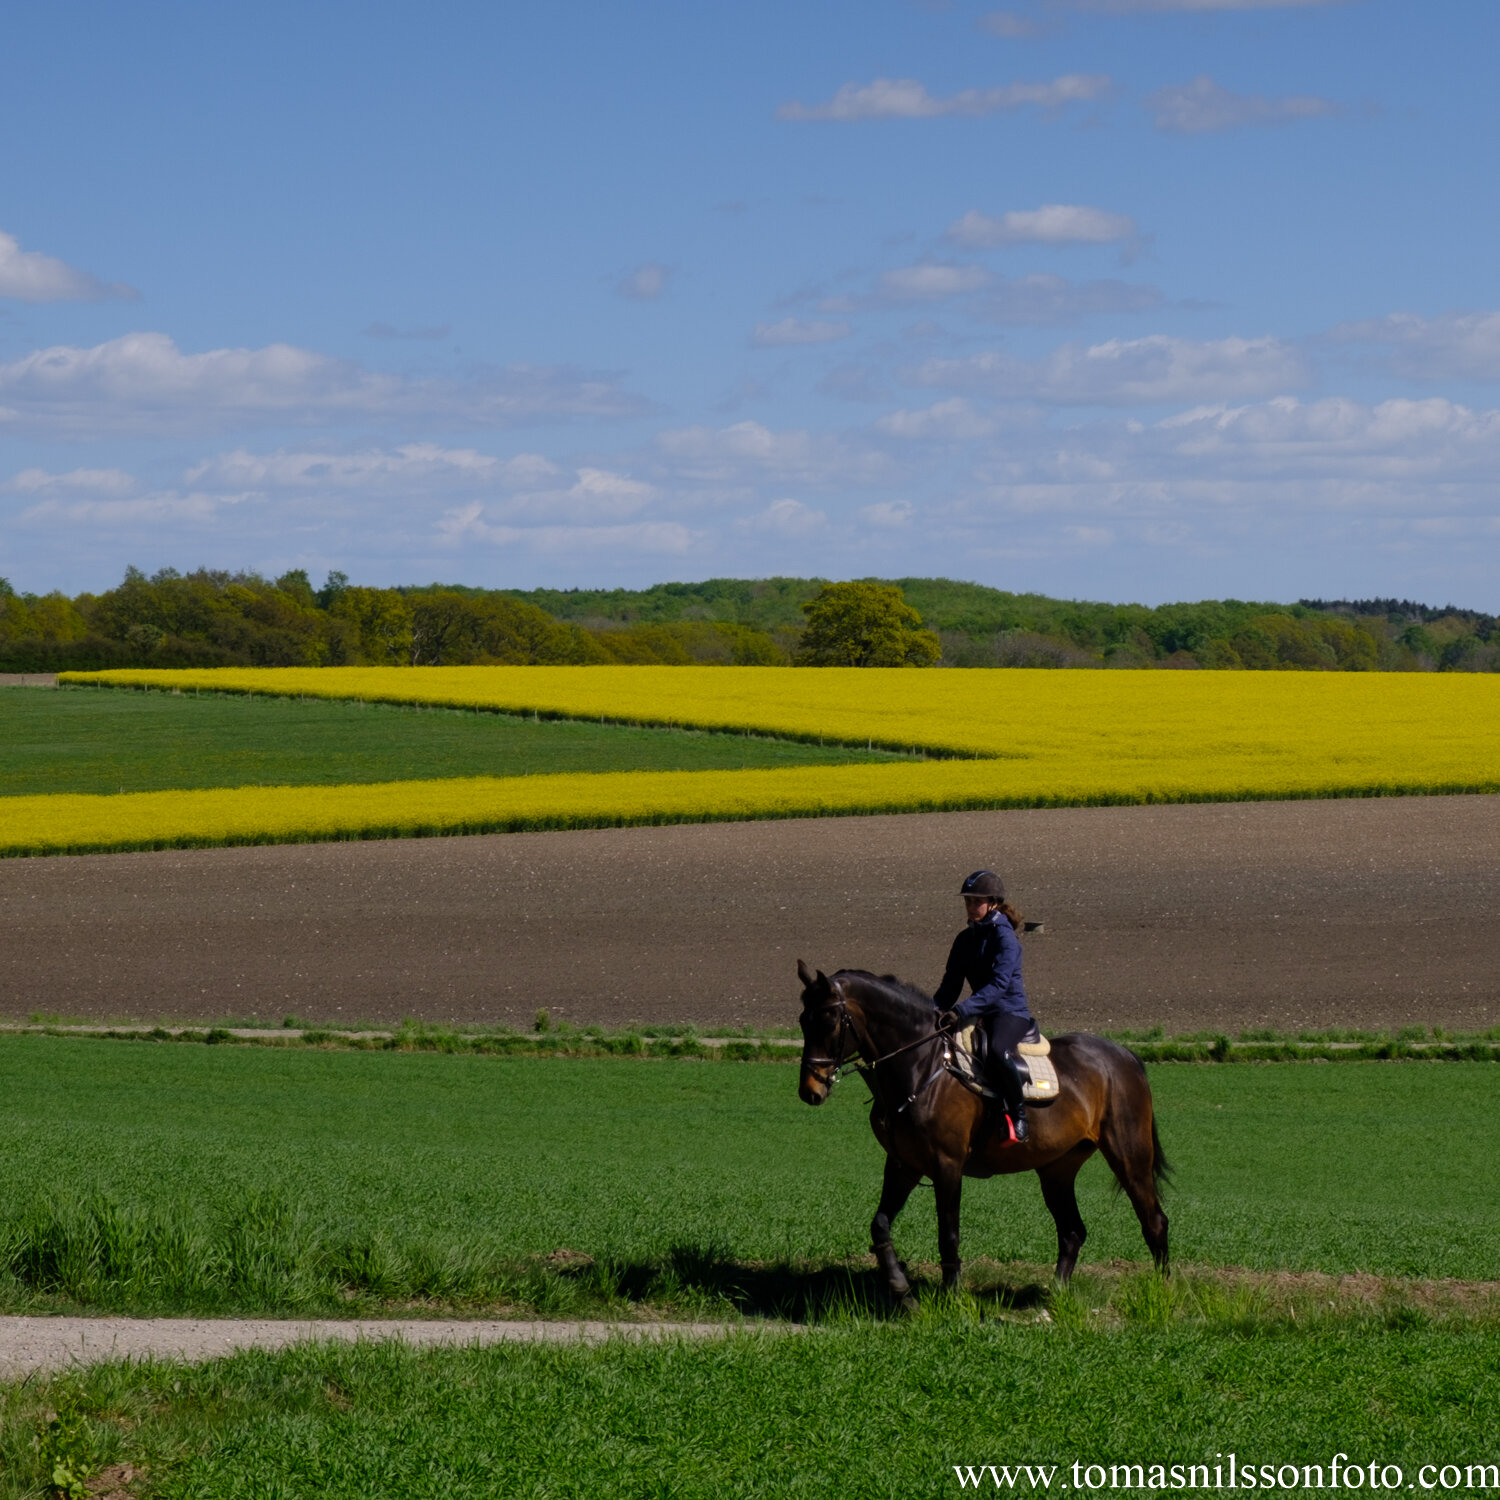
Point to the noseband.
(828, 1070)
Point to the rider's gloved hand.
(948, 1020)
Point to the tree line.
(215, 618)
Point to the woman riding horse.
(932, 1126)
(987, 953)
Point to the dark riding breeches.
(1003, 1031)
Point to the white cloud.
(75, 481)
(1456, 346)
(1306, 485)
(929, 282)
(1051, 224)
(1089, 536)
(1203, 106)
(142, 383)
(1009, 26)
(750, 452)
(854, 382)
(527, 486)
(409, 466)
(951, 419)
(1325, 496)
(785, 518)
(595, 494)
(887, 515)
(30, 276)
(906, 99)
(791, 331)
(1142, 371)
(646, 283)
(1046, 299)
(165, 509)
(1040, 298)
(467, 525)
(1393, 440)
(1211, 471)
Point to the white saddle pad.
(1039, 1082)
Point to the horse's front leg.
(894, 1191)
(948, 1182)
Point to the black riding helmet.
(984, 883)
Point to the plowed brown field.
(1298, 914)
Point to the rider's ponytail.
(1009, 912)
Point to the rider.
(987, 953)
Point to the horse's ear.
(824, 983)
(803, 975)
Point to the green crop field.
(882, 1413)
(90, 740)
(159, 1177)
(153, 1177)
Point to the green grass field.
(157, 1177)
(93, 740)
(878, 1413)
(152, 1177)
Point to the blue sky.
(1119, 299)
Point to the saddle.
(964, 1057)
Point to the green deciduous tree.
(691, 643)
(450, 628)
(382, 620)
(1311, 644)
(864, 625)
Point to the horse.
(932, 1126)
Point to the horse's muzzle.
(811, 1089)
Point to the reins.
(866, 1070)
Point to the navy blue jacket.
(988, 955)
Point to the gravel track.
(1294, 914)
(43, 1345)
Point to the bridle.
(833, 1067)
(828, 1070)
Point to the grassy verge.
(854, 1410)
(769, 1044)
(88, 741)
(257, 1180)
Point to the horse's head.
(827, 1038)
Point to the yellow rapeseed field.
(1026, 738)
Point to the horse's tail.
(1161, 1168)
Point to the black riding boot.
(1009, 1079)
(1002, 1033)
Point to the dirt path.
(1297, 914)
(42, 1345)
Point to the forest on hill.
(214, 618)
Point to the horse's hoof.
(908, 1304)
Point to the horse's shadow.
(701, 1279)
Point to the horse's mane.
(905, 999)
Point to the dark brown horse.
(932, 1126)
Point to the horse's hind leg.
(1062, 1202)
(1133, 1163)
(894, 1191)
